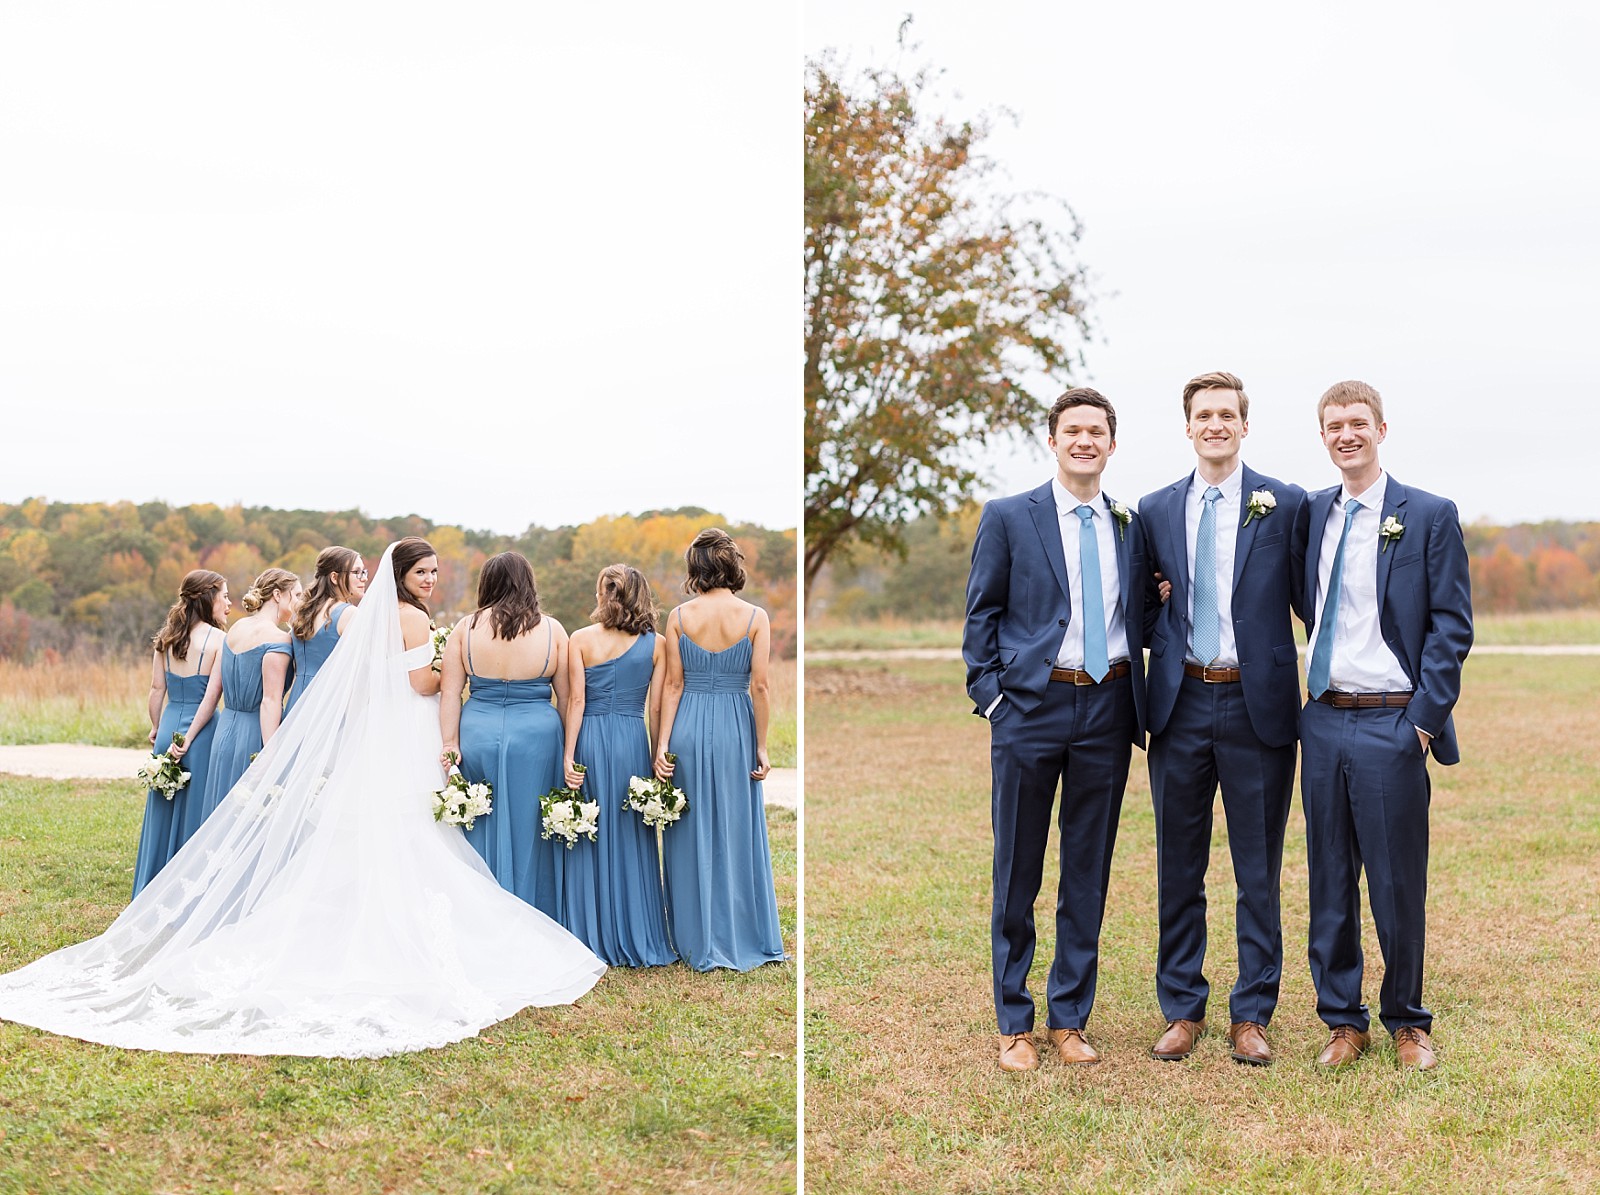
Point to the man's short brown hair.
(1082, 396)
(1347, 394)
(1217, 379)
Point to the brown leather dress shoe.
(1345, 1044)
(1017, 1052)
(1249, 1042)
(1177, 1043)
(1072, 1048)
(1414, 1049)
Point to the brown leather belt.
(1076, 676)
(1363, 701)
(1212, 676)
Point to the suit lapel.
(1319, 505)
(1176, 515)
(1048, 521)
(1248, 484)
(1394, 500)
(1123, 552)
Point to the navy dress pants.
(1080, 738)
(1208, 740)
(1364, 784)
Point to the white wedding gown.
(320, 910)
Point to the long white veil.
(319, 910)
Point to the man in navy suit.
(1224, 695)
(1389, 605)
(1054, 646)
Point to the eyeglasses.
(359, 572)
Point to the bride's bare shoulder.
(412, 619)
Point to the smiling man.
(1390, 623)
(1224, 692)
(1054, 645)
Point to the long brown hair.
(334, 565)
(407, 552)
(625, 601)
(506, 589)
(270, 583)
(197, 599)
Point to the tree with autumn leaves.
(939, 314)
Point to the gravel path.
(73, 761)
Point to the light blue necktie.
(1207, 623)
(1322, 657)
(1094, 607)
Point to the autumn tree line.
(98, 577)
(1525, 567)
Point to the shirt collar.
(1372, 499)
(1067, 501)
(1230, 487)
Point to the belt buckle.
(1082, 678)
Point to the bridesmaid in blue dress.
(184, 676)
(615, 668)
(508, 732)
(327, 609)
(721, 906)
(254, 666)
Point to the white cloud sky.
(1402, 193)
(494, 264)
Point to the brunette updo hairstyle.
(333, 568)
(714, 562)
(267, 586)
(407, 552)
(507, 591)
(197, 599)
(625, 602)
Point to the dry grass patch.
(902, 1089)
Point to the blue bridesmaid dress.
(721, 905)
(611, 888)
(310, 654)
(239, 722)
(511, 736)
(168, 824)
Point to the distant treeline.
(100, 576)
(1529, 566)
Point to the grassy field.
(902, 1090)
(660, 1080)
(1511, 630)
(102, 703)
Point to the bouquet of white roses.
(458, 803)
(566, 814)
(657, 801)
(163, 773)
(439, 636)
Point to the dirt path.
(73, 761)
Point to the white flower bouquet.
(439, 636)
(657, 801)
(566, 815)
(458, 803)
(164, 773)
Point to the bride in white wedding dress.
(320, 910)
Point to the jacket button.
(1061, 622)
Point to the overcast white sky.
(495, 264)
(1403, 193)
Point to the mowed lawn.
(661, 1080)
(902, 1090)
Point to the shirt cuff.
(993, 705)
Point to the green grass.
(657, 1080)
(902, 1090)
(72, 720)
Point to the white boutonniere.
(1261, 504)
(1391, 530)
(1123, 517)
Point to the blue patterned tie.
(1094, 607)
(1317, 676)
(1207, 641)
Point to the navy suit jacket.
(1424, 599)
(1263, 583)
(1018, 605)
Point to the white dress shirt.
(1362, 661)
(1106, 531)
(1227, 524)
